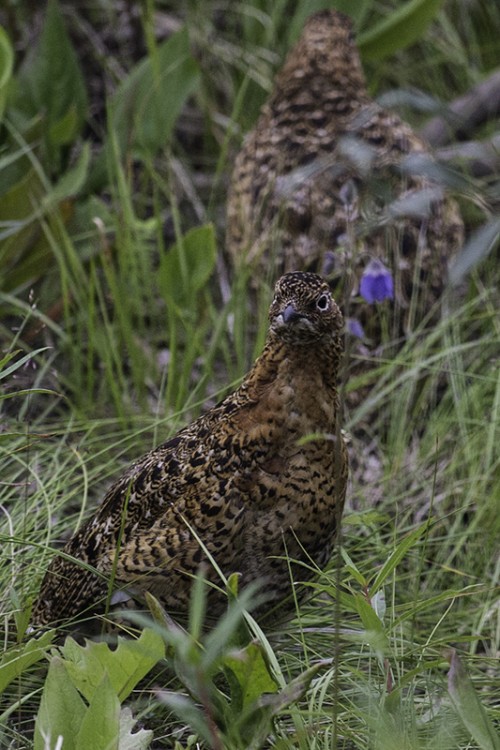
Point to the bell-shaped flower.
(376, 282)
(355, 328)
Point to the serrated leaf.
(125, 666)
(139, 740)
(100, 727)
(18, 659)
(469, 707)
(61, 709)
(401, 28)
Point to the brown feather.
(320, 184)
(240, 477)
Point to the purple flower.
(376, 282)
(355, 328)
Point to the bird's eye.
(323, 302)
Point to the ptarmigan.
(260, 476)
(329, 181)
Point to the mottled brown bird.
(327, 181)
(260, 475)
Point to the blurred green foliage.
(49, 168)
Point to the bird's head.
(303, 309)
(326, 52)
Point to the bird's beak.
(290, 314)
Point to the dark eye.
(323, 302)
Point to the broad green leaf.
(373, 634)
(146, 105)
(469, 707)
(19, 229)
(72, 181)
(144, 109)
(256, 722)
(216, 643)
(251, 671)
(125, 666)
(25, 250)
(393, 561)
(61, 709)
(51, 82)
(100, 727)
(16, 660)
(186, 266)
(401, 28)
(63, 131)
(369, 618)
(22, 607)
(139, 740)
(6, 66)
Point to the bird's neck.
(341, 85)
(312, 365)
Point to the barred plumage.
(244, 477)
(328, 180)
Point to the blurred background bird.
(254, 484)
(330, 181)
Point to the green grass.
(128, 360)
(442, 479)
